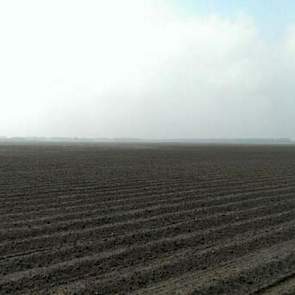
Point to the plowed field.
(147, 219)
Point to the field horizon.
(249, 140)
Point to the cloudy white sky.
(147, 68)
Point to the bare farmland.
(147, 219)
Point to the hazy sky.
(147, 68)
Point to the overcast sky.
(147, 68)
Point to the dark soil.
(147, 219)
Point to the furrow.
(247, 275)
(142, 265)
(79, 200)
(227, 201)
(213, 223)
(79, 211)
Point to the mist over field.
(147, 69)
(147, 147)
